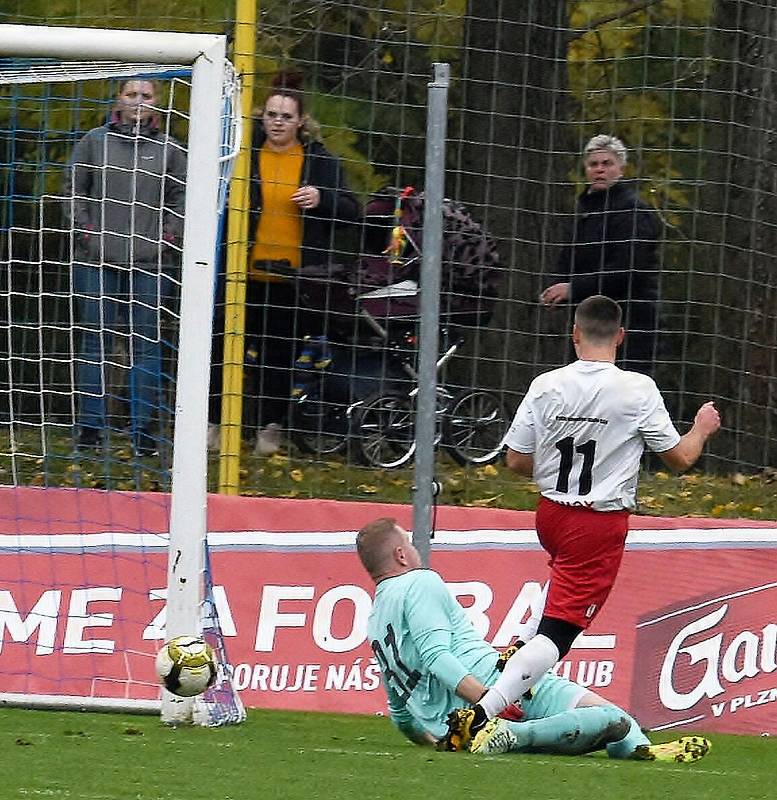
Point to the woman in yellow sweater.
(298, 198)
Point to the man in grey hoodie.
(125, 199)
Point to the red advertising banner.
(687, 638)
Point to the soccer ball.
(186, 666)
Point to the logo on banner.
(710, 659)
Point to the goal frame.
(206, 55)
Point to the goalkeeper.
(431, 657)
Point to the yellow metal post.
(237, 258)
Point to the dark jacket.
(323, 171)
(613, 247)
(126, 192)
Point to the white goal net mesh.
(90, 288)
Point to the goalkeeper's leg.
(581, 730)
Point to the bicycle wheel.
(473, 426)
(318, 428)
(383, 427)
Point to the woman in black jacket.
(613, 251)
(298, 198)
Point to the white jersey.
(587, 425)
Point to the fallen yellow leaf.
(367, 488)
(718, 510)
(485, 501)
(297, 475)
(738, 479)
(662, 476)
(490, 470)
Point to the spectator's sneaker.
(494, 738)
(268, 441)
(463, 724)
(683, 751)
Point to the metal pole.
(237, 257)
(426, 401)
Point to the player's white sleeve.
(655, 425)
(520, 436)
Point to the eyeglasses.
(273, 115)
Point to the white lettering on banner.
(748, 643)
(78, 620)
(342, 677)
(356, 676)
(42, 617)
(769, 651)
(744, 647)
(482, 597)
(587, 673)
(746, 701)
(271, 618)
(528, 603)
(155, 630)
(322, 618)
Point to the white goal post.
(205, 54)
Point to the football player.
(580, 432)
(431, 658)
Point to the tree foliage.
(638, 76)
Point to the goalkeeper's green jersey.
(425, 645)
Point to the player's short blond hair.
(375, 543)
(604, 141)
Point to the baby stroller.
(356, 380)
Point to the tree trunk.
(738, 234)
(513, 126)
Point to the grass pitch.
(280, 755)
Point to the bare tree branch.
(599, 21)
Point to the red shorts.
(586, 548)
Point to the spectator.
(612, 251)
(125, 191)
(298, 197)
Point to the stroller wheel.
(473, 426)
(384, 430)
(318, 428)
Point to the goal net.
(117, 147)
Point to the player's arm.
(686, 452)
(429, 623)
(522, 463)
(405, 722)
